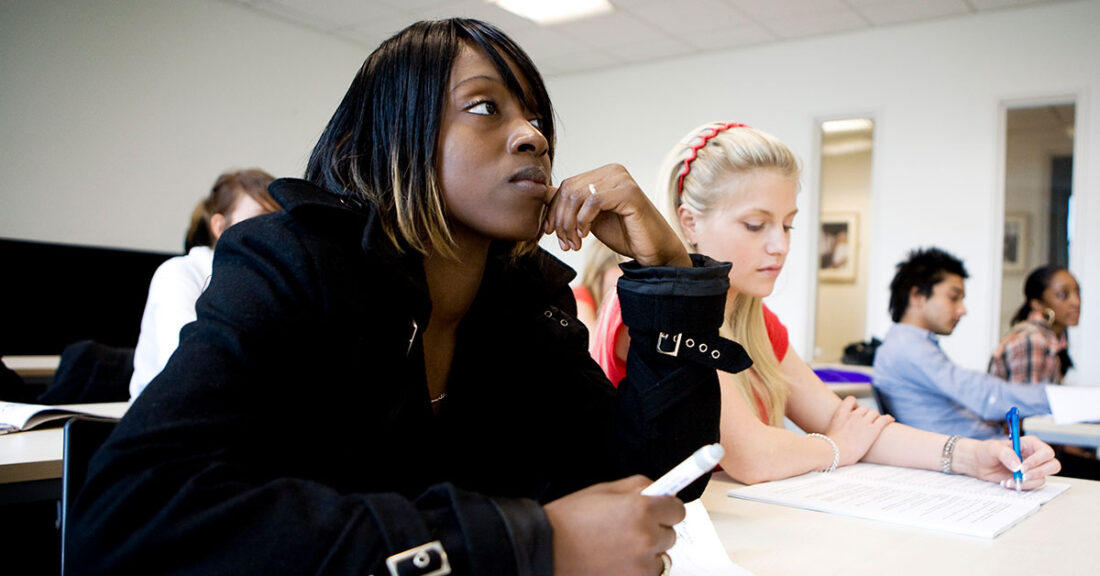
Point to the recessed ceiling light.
(554, 11)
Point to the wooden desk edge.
(33, 366)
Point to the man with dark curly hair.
(921, 386)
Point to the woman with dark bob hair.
(387, 377)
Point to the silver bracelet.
(836, 451)
(948, 454)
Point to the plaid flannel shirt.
(1029, 353)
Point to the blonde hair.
(721, 150)
(597, 260)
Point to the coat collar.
(537, 272)
(299, 197)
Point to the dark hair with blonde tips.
(381, 143)
(223, 197)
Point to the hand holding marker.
(702, 461)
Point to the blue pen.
(1013, 418)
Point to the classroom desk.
(1081, 434)
(766, 539)
(861, 390)
(30, 462)
(857, 389)
(33, 367)
(771, 540)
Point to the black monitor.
(52, 295)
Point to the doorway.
(844, 225)
(1038, 216)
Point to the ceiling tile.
(331, 14)
(409, 5)
(545, 42)
(581, 61)
(796, 9)
(613, 29)
(656, 49)
(367, 39)
(865, 3)
(380, 28)
(630, 5)
(733, 38)
(997, 4)
(898, 12)
(818, 25)
(639, 30)
(690, 15)
(477, 9)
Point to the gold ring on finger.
(666, 562)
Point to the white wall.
(934, 91)
(116, 116)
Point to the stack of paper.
(919, 498)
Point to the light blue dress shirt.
(925, 390)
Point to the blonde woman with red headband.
(732, 196)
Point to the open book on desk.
(919, 498)
(17, 417)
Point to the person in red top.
(601, 271)
(732, 196)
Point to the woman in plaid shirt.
(1035, 349)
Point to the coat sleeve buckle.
(675, 338)
(425, 560)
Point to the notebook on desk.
(19, 417)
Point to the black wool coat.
(292, 432)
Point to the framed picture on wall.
(1016, 242)
(838, 247)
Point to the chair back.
(91, 371)
(83, 436)
(880, 398)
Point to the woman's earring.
(1048, 313)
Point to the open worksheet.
(920, 498)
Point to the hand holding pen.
(1013, 419)
(998, 461)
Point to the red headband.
(705, 136)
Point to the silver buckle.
(418, 561)
(662, 336)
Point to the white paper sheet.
(920, 498)
(1071, 404)
(698, 550)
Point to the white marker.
(701, 462)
